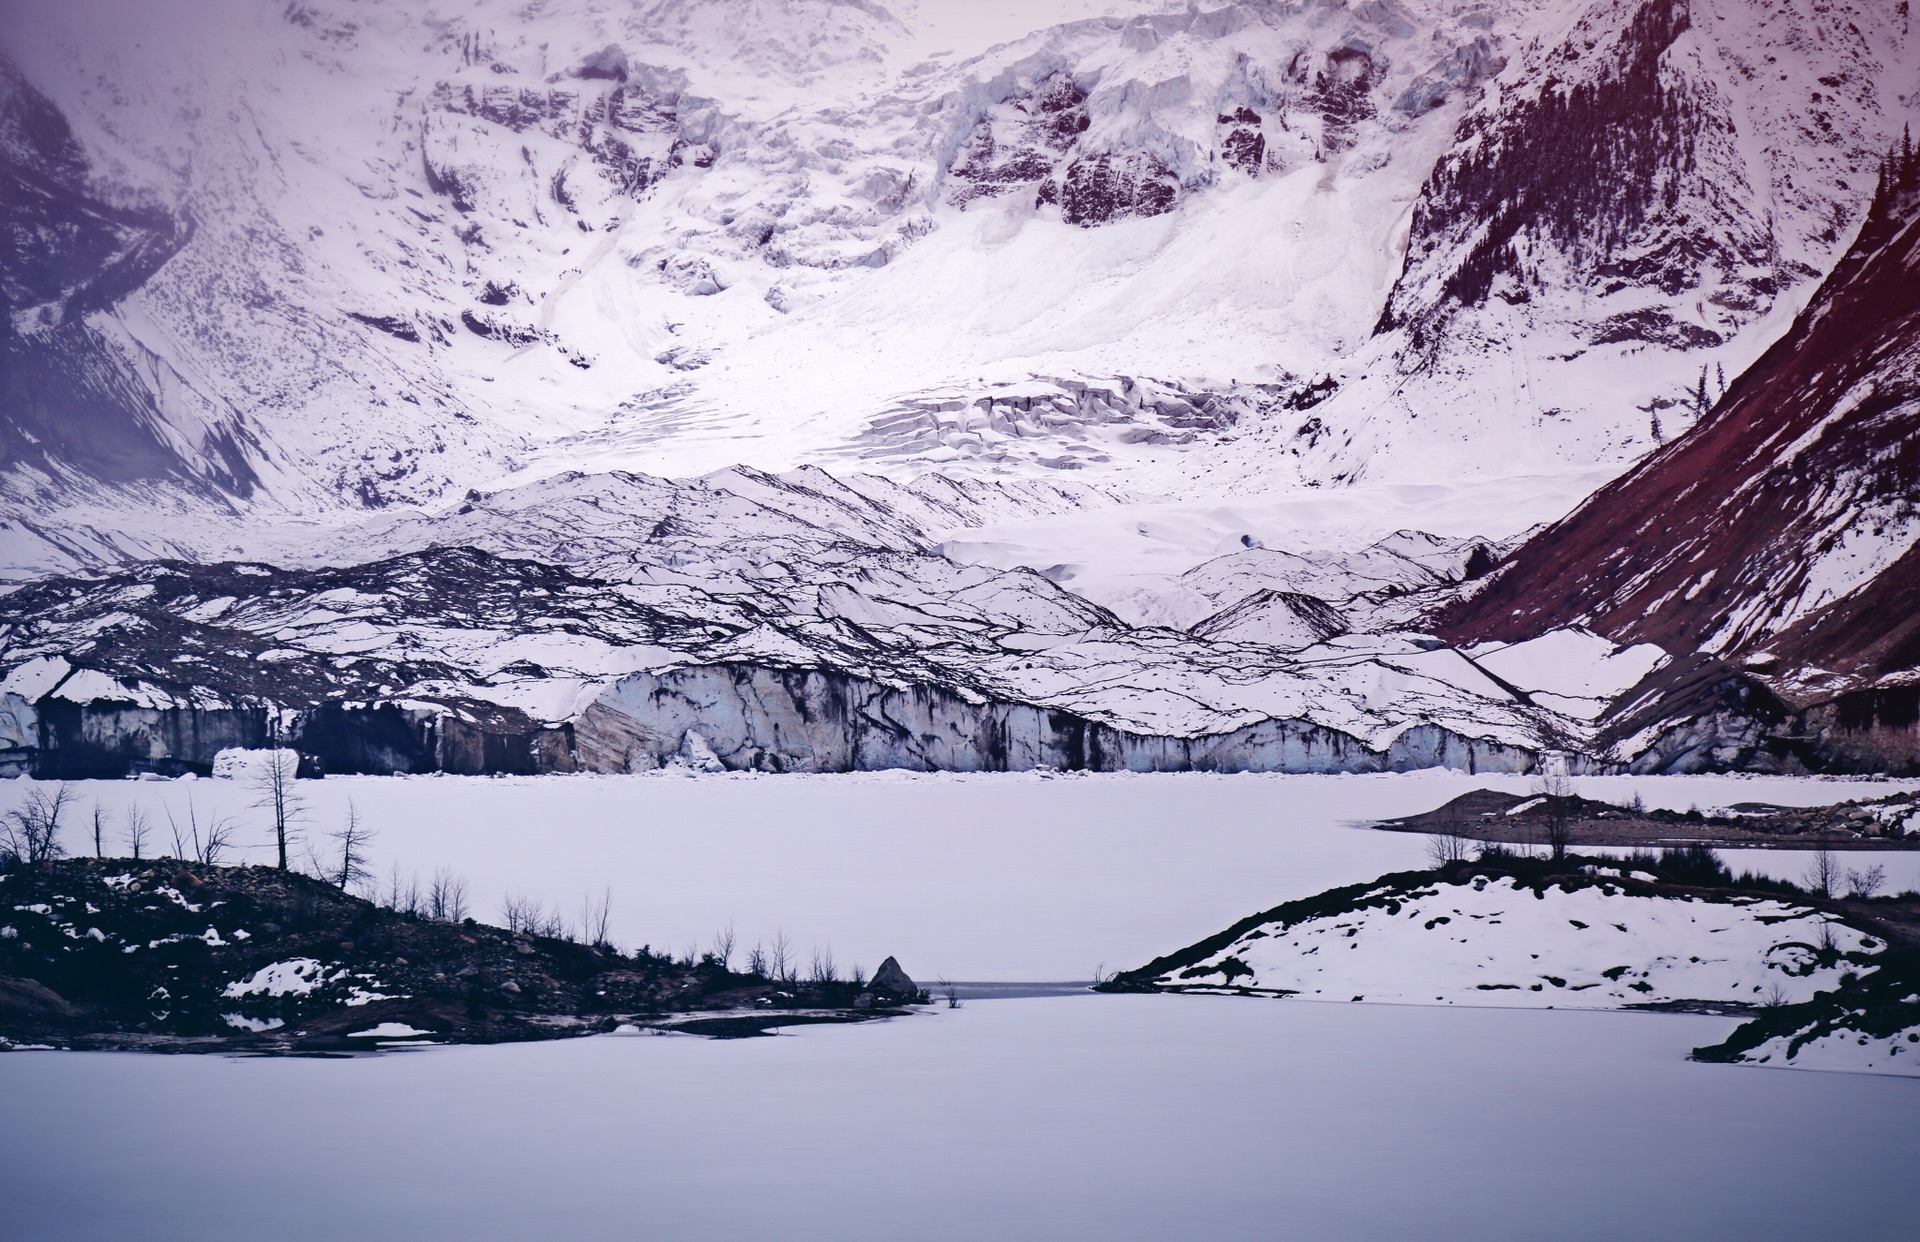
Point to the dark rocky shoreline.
(1493, 816)
(173, 956)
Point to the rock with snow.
(892, 983)
(1493, 935)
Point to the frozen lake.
(1011, 876)
(1148, 1117)
(1060, 1117)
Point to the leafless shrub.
(823, 969)
(137, 830)
(723, 947)
(1862, 885)
(947, 992)
(1445, 847)
(31, 831)
(757, 962)
(446, 897)
(857, 976)
(1775, 998)
(351, 870)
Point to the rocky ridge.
(1774, 545)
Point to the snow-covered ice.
(1109, 1117)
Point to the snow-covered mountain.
(1079, 360)
(1775, 545)
(364, 253)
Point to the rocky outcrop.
(892, 985)
(1103, 188)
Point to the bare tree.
(1556, 788)
(1862, 885)
(519, 913)
(1446, 847)
(757, 962)
(99, 825)
(823, 969)
(1823, 872)
(405, 896)
(137, 829)
(275, 792)
(596, 920)
(723, 947)
(446, 897)
(31, 831)
(781, 958)
(351, 871)
(205, 843)
(857, 976)
(211, 847)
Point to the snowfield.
(1499, 942)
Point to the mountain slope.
(430, 246)
(1780, 534)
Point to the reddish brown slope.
(1785, 521)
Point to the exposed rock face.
(1242, 144)
(1099, 189)
(1342, 91)
(1020, 141)
(1777, 538)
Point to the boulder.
(891, 982)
